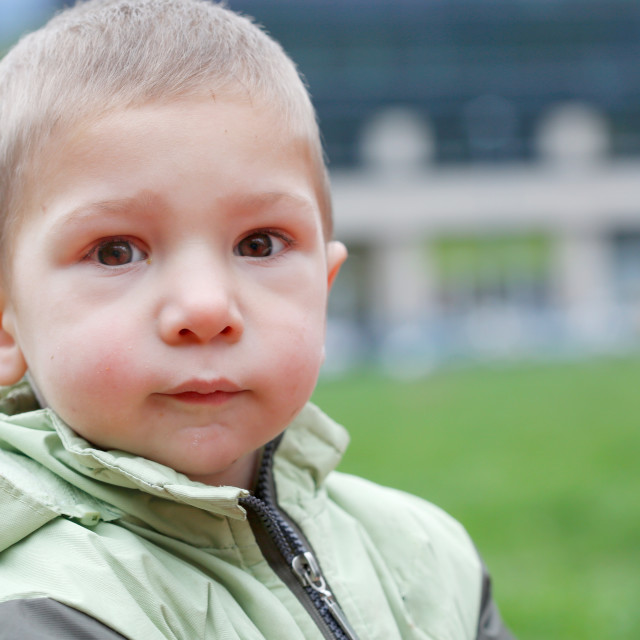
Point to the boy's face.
(169, 285)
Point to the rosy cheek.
(89, 388)
(304, 358)
(115, 369)
(84, 360)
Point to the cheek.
(82, 359)
(299, 351)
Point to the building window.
(626, 265)
(484, 271)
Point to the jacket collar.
(311, 447)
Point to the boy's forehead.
(79, 143)
(149, 205)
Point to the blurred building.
(485, 158)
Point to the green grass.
(540, 463)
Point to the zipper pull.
(306, 568)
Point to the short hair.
(102, 55)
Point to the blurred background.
(483, 336)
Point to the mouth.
(209, 392)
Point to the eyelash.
(287, 240)
(92, 254)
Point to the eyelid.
(90, 255)
(277, 233)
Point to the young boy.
(166, 262)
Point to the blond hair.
(102, 55)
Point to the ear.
(12, 363)
(336, 255)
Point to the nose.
(199, 305)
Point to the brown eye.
(257, 245)
(116, 253)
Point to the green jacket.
(104, 544)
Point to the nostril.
(228, 330)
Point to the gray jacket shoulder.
(46, 619)
(490, 624)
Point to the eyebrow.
(145, 202)
(270, 198)
(95, 210)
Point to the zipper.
(284, 541)
(306, 567)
